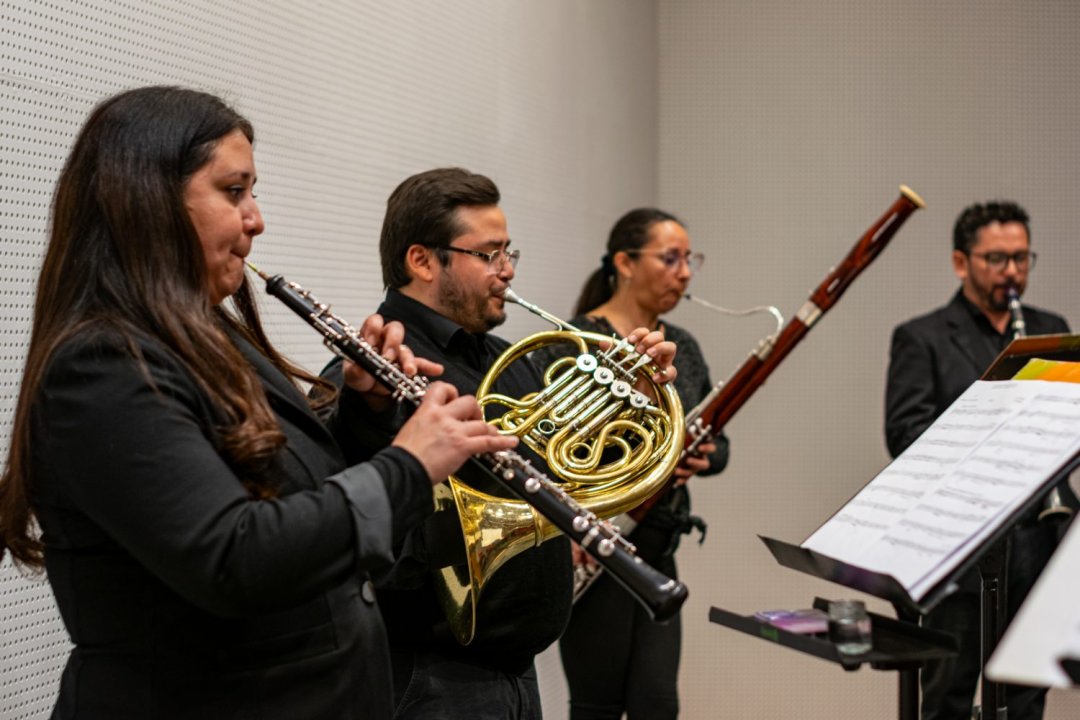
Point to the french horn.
(660, 595)
(604, 427)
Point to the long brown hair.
(123, 256)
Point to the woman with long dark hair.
(617, 660)
(206, 544)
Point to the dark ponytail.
(631, 232)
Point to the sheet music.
(982, 458)
(1047, 627)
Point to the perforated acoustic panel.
(554, 99)
(785, 129)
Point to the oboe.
(660, 595)
(1054, 508)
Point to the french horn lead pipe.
(660, 595)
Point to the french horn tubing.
(610, 444)
(660, 595)
(586, 574)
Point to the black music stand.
(1042, 644)
(1071, 666)
(921, 644)
(992, 568)
(897, 644)
(986, 556)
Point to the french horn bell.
(604, 427)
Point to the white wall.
(554, 99)
(779, 129)
(785, 128)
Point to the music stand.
(896, 643)
(926, 644)
(1071, 666)
(993, 575)
(1042, 645)
(884, 585)
(1043, 347)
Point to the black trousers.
(616, 659)
(948, 686)
(431, 686)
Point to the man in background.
(933, 360)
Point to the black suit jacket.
(184, 597)
(525, 605)
(935, 358)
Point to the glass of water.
(849, 626)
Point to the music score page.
(940, 499)
(1047, 627)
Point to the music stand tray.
(904, 646)
(896, 645)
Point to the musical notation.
(986, 454)
(964, 517)
(883, 507)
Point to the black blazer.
(183, 596)
(934, 359)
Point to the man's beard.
(997, 296)
(468, 309)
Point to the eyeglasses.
(496, 259)
(1024, 259)
(672, 258)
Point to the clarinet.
(660, 595)
(1019, 327)
(1054, 508)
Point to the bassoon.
(705, 421)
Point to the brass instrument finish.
(496, 528)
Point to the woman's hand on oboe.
(388, 339)
(446, 430)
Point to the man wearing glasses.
(933, 360)
(446, 262)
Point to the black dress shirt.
(525, 605)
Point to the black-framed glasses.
(496, 259)
(671, 258)
(1024, 259)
